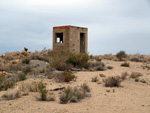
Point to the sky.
(113, 25)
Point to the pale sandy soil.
(132, 97)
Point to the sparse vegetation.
(95, 79)
(136, 75)
(75, 94)
(22, 76)
(79, 60)
(125, 64)
(12, 95)
(42, 90)
(26, 60)
(114, 81)
(124, 75)
(26, 69)
(5, 84)
(85, 87)
(120, 55)
(66, 76)
(29, 87)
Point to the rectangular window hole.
(59, 37)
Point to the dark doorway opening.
(82, 42)
(59, 37)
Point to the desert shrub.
(22, 76)
(28, 87)
(120, 55)
(39, 56)
(5, 84)
(42, 90)
(74, 94)
(114, 81)
(44, 94)
(26, 60)
(12, 95)
(66, 76)
(125, 64)
(50, 96)
(109, 67)
(77, 95)
(79, 60)
(95, 79)
(8, 58)
(136, 75)
(66, 95)
(26, 69)
(58, 76)
(95, 64)
(124, 75)
(85, 87)
(100, 66)
(58, 59)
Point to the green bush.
(43, 92)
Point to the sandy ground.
(132, 97)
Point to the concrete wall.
(71, 38)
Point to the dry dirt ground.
(132, 97)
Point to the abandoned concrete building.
(70, 37)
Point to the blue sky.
(113, 25)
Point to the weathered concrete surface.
(75, 39)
